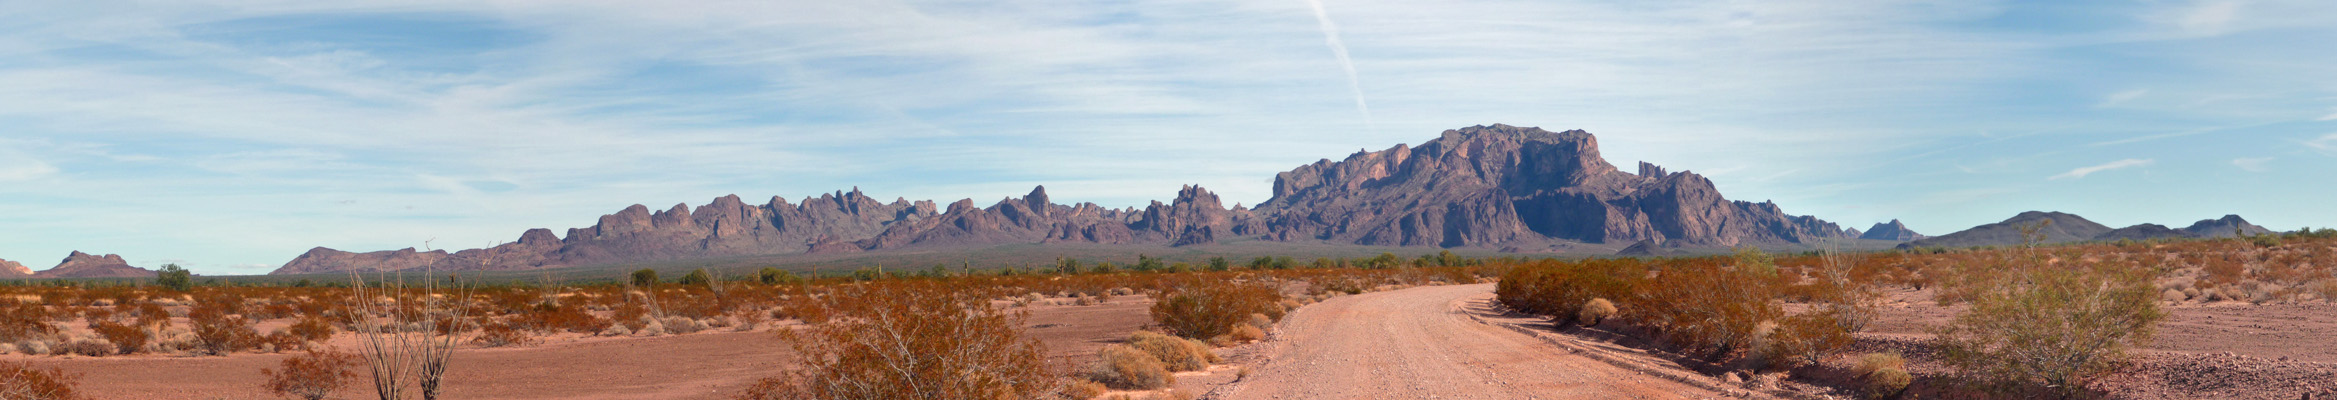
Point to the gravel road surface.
(1417, 343)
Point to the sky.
(230, 137)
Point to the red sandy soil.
(713, 364)
(1418, 343)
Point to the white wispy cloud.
(206, 113)
(2253, 164)
(2114, 99)
(2327, 144)
(2331, 117)
(2082, 172)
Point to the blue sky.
(232, 136)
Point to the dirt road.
(1417, 344)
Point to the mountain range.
(2058, 227)
(1492, 187)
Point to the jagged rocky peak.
(1650, 171)
(1894, 231)
(1500, 184)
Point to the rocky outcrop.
(1499, 185)
(1892, 231)
(2065, 228)
(1487, 186)
(85, 265)
(12, 269)
(2143, 232)
(324, 260)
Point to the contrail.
(1339, 49)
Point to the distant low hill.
(78, 265)
(1893, 231)
(2068, 228)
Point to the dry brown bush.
(217, 333)
(497, 334)
(20, 381)
(1871, 362)
(1083, 389)
(23, 320)
(1597, 310)
(1179, 354)
(1247, 333)
(1123, 367)
(312, 328)
(314, 375)
(126, 339)
(1207, 308)
(1887, 383)
(911, 340)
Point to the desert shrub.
(1596, 310)
(281, 341)
(1871, 362)
(128, 339)
(88, 347)
(775, 276)
(1083, 389)
(1247, 333)
(217, 333)
(696, 277)
(497, 334)
(1179, 354)
(571, 318)
(314, 375)
(1887, 383)
(170, 276)
(20, 381)
(1123, 367)
(2057, 326)
(911, 340)
(1202, 309)
(645, 278)
(21, 320)
(312, 328)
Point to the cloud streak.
(1339, 50)
(2082, 172)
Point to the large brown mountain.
(1501, 185)
(1487, 186)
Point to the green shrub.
(775, 276)
(170, 276)
(696, 277)
(2054, 326)
(645, 278)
